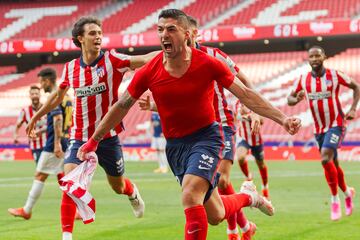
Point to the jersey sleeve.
(56, 111)
(227, 60)
(140, 83)
(343, 78)
(65, 77)
(119, 61)
(21, 117)
(222, 73)
(297, 87)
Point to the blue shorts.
(229, 144)
(109, 154)
(256, 151)
(36, 154)
(331, 139)
(197, 154)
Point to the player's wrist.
(93, 144)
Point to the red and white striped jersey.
(25, 116)
(322, 94)
(223, 114)
(95, 91)
(244, 124)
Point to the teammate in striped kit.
(181, 80)
(37, 144)
(51, 160)
(321, 87)
(95, 77)
(250, 139)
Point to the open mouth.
(97, 44)
(167, 46)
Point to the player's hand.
(30, 129)
(144, 103)
(90, 146)
(351, 114)
(58, 151)
(300, 96)
(255, 123)
(292, 125)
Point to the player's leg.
(111, 160)
(43, 169)
(241, 153)
(162, 158)
(36, 155)
(258, 153)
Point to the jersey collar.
(82, 64)
(322, 73)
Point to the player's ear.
(80, 39)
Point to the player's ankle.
(67, 236)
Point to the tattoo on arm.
(126, 101)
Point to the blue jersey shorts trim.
(256, 151)
(197, 154)
(109, 154)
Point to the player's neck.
(36, 106)
(178, 62)
(89, 57)
(319, 72)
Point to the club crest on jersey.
(90, 90)
(100, 71)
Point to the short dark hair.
(48, 73)
(176, 14)
(318, 47)
(34, 87)
(78, 29)
(193, 22)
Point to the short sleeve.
(56, 111)
(119, 61)
(227, 60)
(139, 83)
(65, 78)
(21, 117)
(297, 86)
(343, 78)
(222, 73)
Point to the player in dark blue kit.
(158, 143)
(52, 157)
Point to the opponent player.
(37, 144)
(52, 157)
(250, 140)
(181, 80)
(95, 77)
(224, 116)
(158, 143)
(321, 87)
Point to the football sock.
(246, 227)
(68, 209)
(196, 223)
(264, 175)
(129, 189)
(242, 220)
(233, 203)
(231, 220)
(245, 168)
(331, 176)
(67, 236)
(34, 194)
(341, 179)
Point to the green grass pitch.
(298, 191)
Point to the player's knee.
(260, 162)
(223, 182)
(190, 198)
(326, 156)
(215, 219)
(241, 159)
(41, 176)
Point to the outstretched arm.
(294, 98)
(255, 102)
(52, 102)
(116, 114)
(356, 96)
(140, 60)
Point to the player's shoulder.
(155, 62)
(117, 55)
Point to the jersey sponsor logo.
(90, 90)
(319, 95)
(227, 146)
